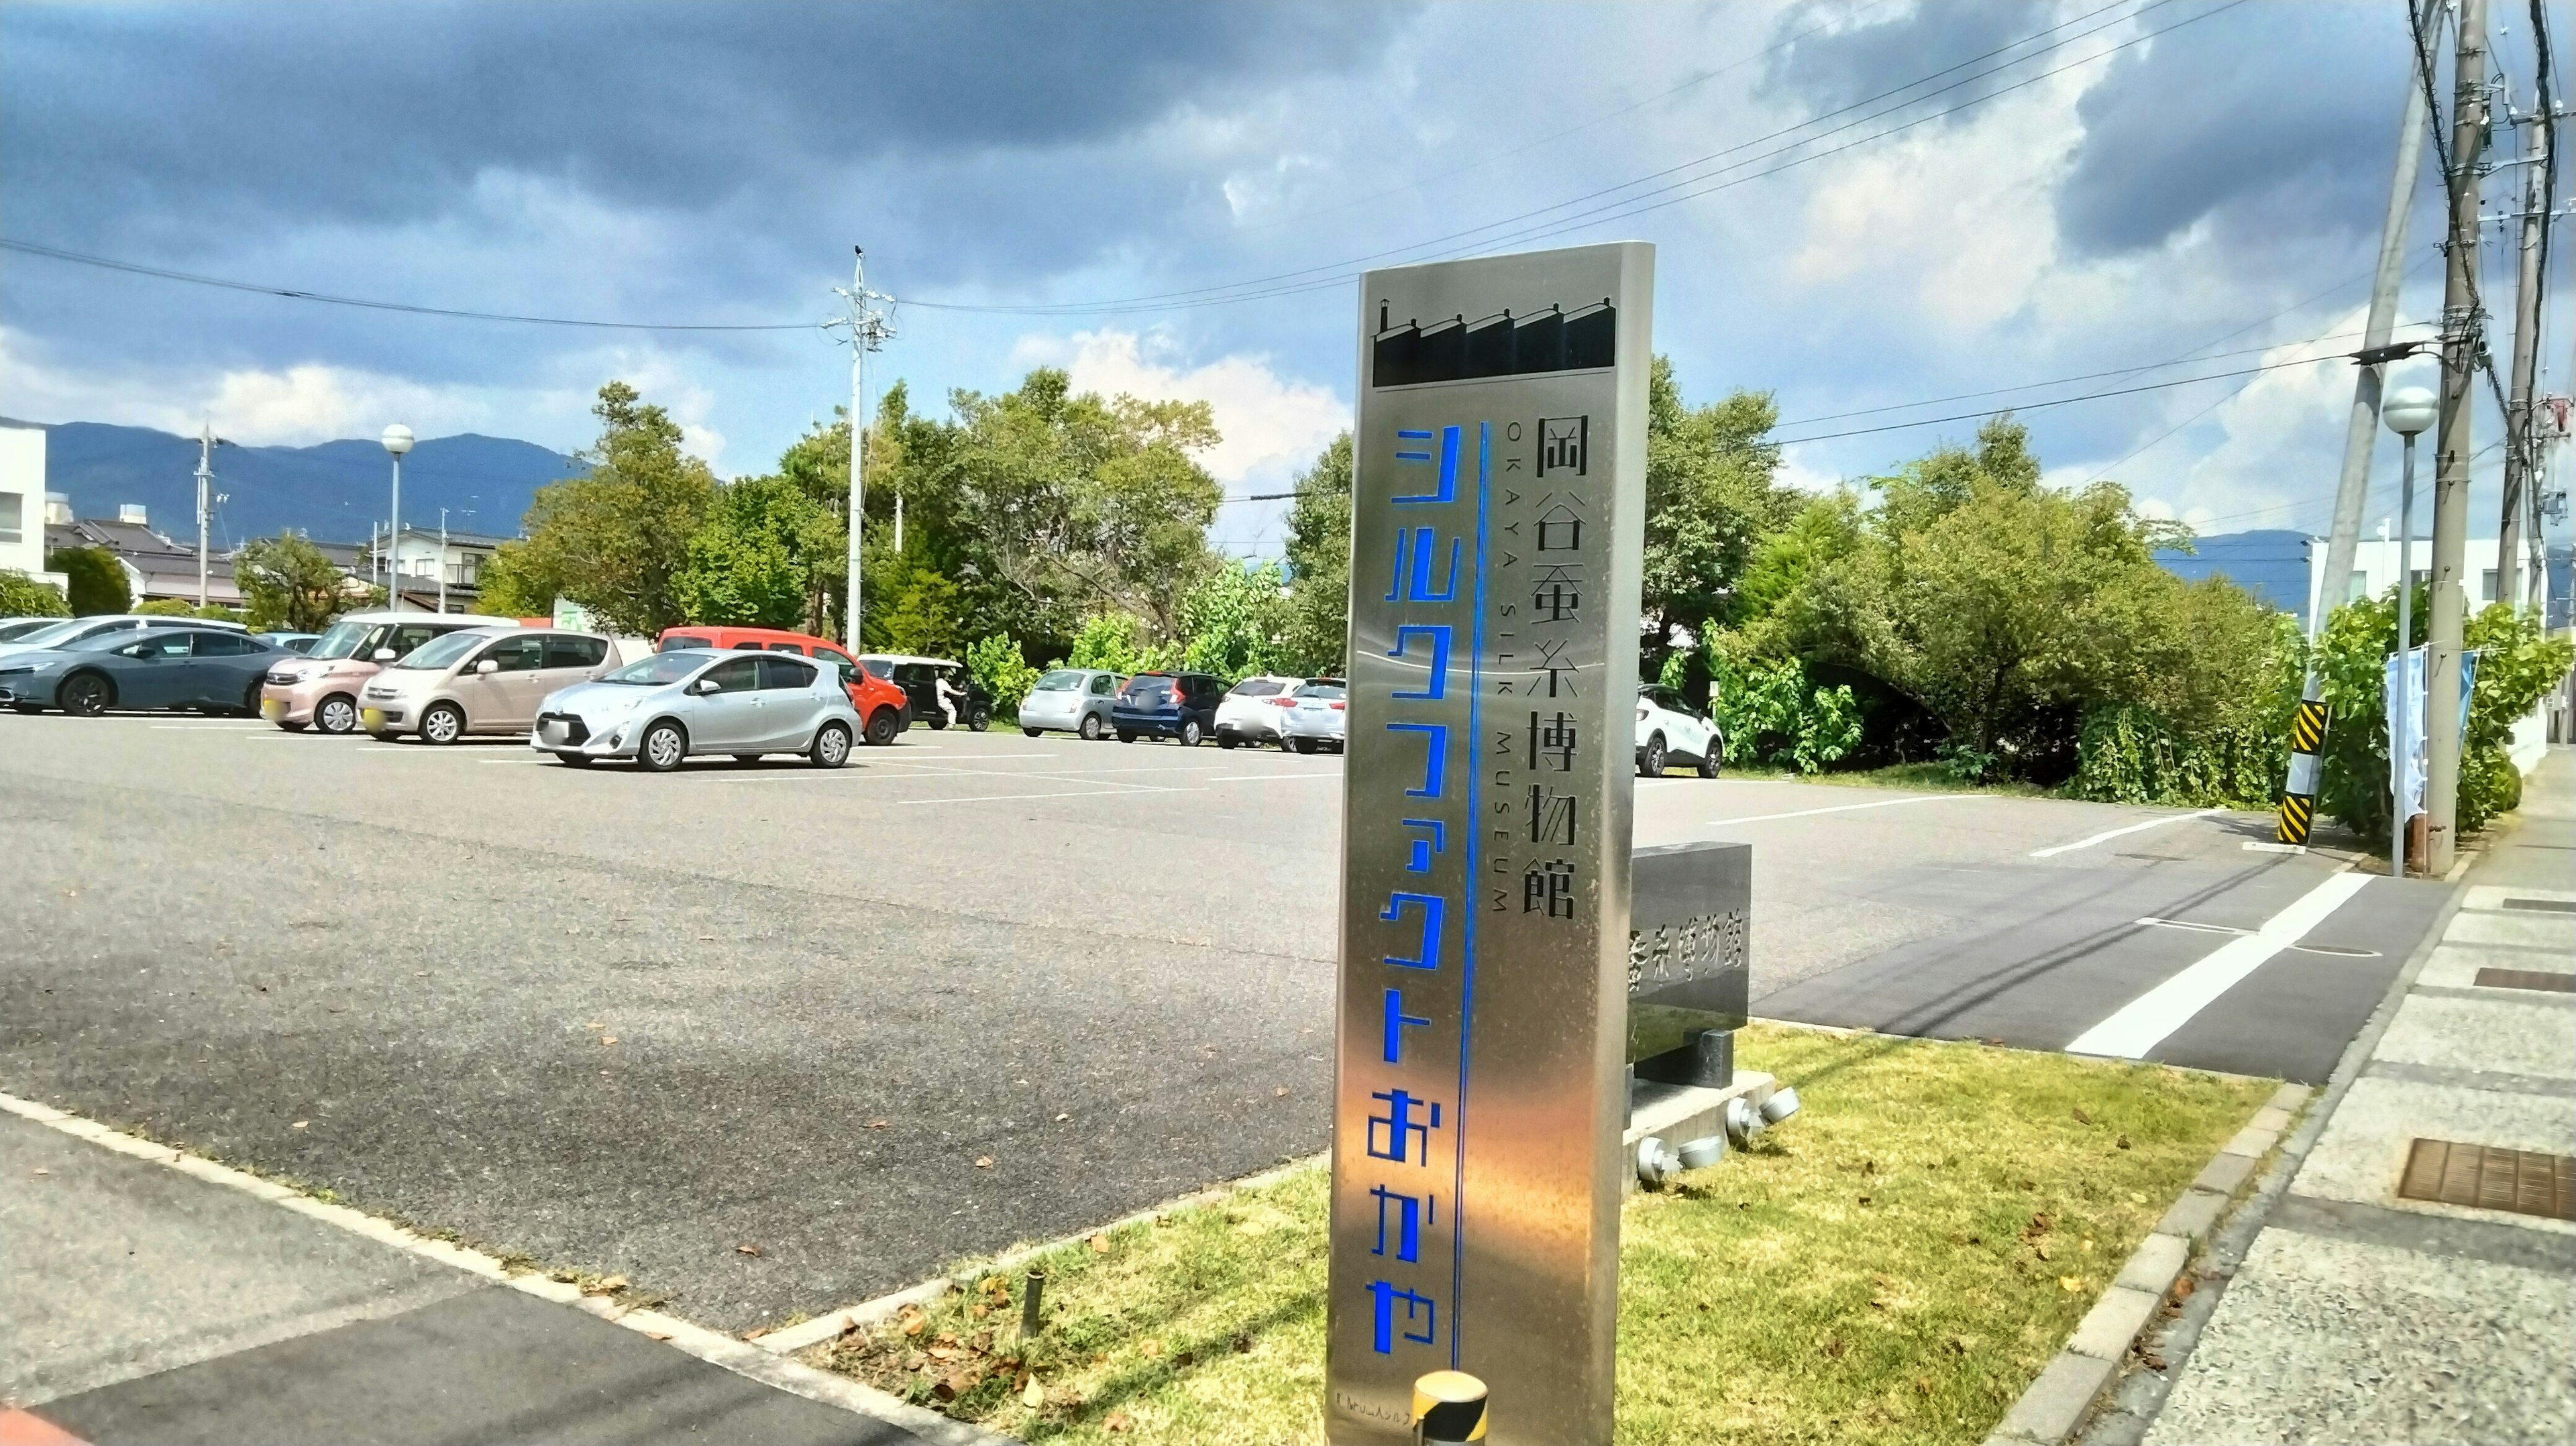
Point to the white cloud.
(1271, 425)
(294, 405)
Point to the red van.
(885, 706)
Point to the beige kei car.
(487, 680)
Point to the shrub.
(22, 596)
(98, 583)
(1771, 716)
(2129, 754)
(997, 664)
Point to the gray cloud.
(1867, 50)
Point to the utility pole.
(2522, 436)
(2463, 348)
(205, 501)
(870, 325)
(442, 559)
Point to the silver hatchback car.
(661, 709)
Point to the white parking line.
(2146, 1021)
(1268, 777)
(1839, 808)
(2110, 834)
(1126, 791)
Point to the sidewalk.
(149, 1306)
(2366, 1312)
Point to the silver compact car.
(1320, 718)
(660, 709)
(1070, 700)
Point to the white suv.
(1668, 731)
(1253, 710)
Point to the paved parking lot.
(1105, 970)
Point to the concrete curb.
(713, 1347)
(2049, 1412)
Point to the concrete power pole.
(2463, 348)
(205, 501)
(2522, 471)
(870, 326)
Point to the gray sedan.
(161, 667)
(660, 709)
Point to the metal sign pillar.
(1498, 530)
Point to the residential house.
(155, 566)
(22, 499)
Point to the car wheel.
(1189, 733)
(1303, 745)
(831, 746)
(87, 695)
(978, 721)
(1126, 737)
(938, 722)
(443, 723)
(1225, 740)
(1091, 729)
(883, 724)
(662, 747)
(1650, 763)
(336, 714)
(1033, 732)
(1708, 760)
(250, 701)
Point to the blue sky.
(2124, 184)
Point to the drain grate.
(2525, 1182)
(2555, 906)
(2527, 979)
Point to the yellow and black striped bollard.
(2299, 795)
(1448, 1409)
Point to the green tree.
(1319, 563)
(290, 584)
(616, 540)
(916, 610)
(998, 664)
(1710, 496)
(98, 583)
(1236, 622)
(751, 563)
(22, 596)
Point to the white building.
(22, 501)
(2374, 569)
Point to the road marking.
(2108, 835)
(2152, 1017)
(1267, 777)
(1129, 790)
(1837, 808)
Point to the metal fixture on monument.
(1497, 542)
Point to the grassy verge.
(1894, 1265)
(1911, 777)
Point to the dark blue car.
(1180, 706)
(141, 668)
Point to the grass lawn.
(1911, 777)
(1894, 1265)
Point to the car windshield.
(1257, 688)
(683, 640)
(1325, 691)
(1062, 680)
(1139, 687)
(48, 636)
(341, 640)
(442, 652)
(658, 670)
(24, 628)
(104, 642)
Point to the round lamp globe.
(397, 439)
(2410, 410)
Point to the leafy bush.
(98, 583)
(2517, 663)
(1109, 640)
(291, 584)
(22, 596)
(1771, 716)
(996, 663)
(1236, 621)
(2129, 754)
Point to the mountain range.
(334, 491)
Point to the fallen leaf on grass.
(1099, 1245)
(2124, 1142)
(746, 1250)
(2082, 1118)
(1117, 1422)
(2070, 1283)
(1834, 1347)
(2182, 1290)
(1150, 1349)
(1242, 1343)
(1033, 1395)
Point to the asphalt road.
(1105, 970)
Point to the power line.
(2054, 402)
(292, 293)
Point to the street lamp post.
(397, 440)
(2408, 411)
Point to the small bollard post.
(1030, 1319)
(1448, 1409)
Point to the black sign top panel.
(1454, 349)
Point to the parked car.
(205, 668)
(885, 706)
(13, 629)
(659, 710)
(1178, 706)
(1070, 700)
(62, 632)
(291, 642)
(1670, 730)
(920, 679)
(1254, 710)
(1318, 718)
(482, 680)
(320, 689)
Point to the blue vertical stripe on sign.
(1475, 849)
